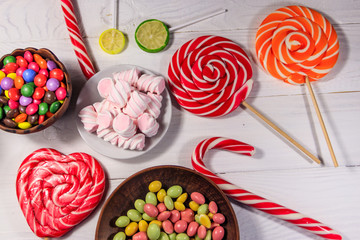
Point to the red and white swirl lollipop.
(248, 198)
(298, 45)
(56, 191)
(210, 76)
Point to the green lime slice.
(152, 35)
(112, 41)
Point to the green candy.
(182, 236)
(134, 215)
(197, 237)
(27, 90)
(174, 191)
(9, 59)
(169, 203)
(43, 108)
(6, 109)
(122, 221)
(1, 113)
(139, 205)
(120, 236)
(203, 209)
(208, 235)
(147, 217)
(197, 218)
(151, 198)
(55, 106)
(153, 231)
(172, 236)
(163, 236)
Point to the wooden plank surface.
(277, 171)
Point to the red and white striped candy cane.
(249, 198)
(78, 43)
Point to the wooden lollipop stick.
(321, 121)
(281, 132)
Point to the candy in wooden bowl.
(35, 90)
(136, 186)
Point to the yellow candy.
(194, 206)
(2, 75)
(210, 215)
(179, 206)
(61, 101)
(6, 93)
(143, 225)
(155, 186)
(182, 198)
(161, 195)
(24, 125)
(131, 229)
(205, 220)
(157, 222)
(12, 75)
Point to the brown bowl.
(47, 55)
(136, 186)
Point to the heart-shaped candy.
(56, 191)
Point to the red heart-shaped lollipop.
(57, 191)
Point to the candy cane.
(249, 198)
(78, 43)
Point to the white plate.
(89, 95)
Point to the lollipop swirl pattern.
(247, 197)
(56, 192)
(294, 42)
(210, 76)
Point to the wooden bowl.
(136, 186)
(47, 55)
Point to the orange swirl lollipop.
(294, 42)
(298, 45)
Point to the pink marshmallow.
(120, 93)
(124, 125)
(136, 142)
(88, 117)
(104, 120)
(104, 86)
(151, 83)
(154, 105)
(131, 76)
(137, 104)
(148, 125)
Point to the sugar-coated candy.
(52, 84)
(14, 94)
(1, 113)
(18, 82)
(57, 73)
(40, 80)
(9, 59)
(20, 71)
(7, 83)
(140, 236)
(43, 108)
(143, 225)
(21, 118)
(29, 75)
(28, 56)
(120, 236)
(25, 101)
(131, 229)
(13, 104)
(32, 108)
(21, 61)
(27, 90)
(12, 113)
(139, 205)
(40, 61)
(49, 97)
(151, 210)
(24, 125)
(197, 197)
(163, 216)
(168, 227)
(11, 67)
(155, 186)
(9, 123)
(34, 66)
(174, 191)
(51, 65)
(153, 231)
(39, 93)
(54, 107)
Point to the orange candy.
(40, 61)
(21, 118)
(18, 82)
(294, 42)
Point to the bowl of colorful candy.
(167, 202)
(35, 90)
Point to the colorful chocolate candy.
(163, 215)
(30, 86)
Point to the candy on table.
(249, 198)
(298, 45)
(126, 114)
(56, 191)
(29, 91)
(147, 221)
(77, 41)
(210, 76)
(151, 83)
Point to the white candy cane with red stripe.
(78, 43)
(249, 198)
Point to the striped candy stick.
(249, 198)
(78, 43)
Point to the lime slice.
(112, 41)
(152, 35)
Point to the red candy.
(21, 62)
(38, 93)
(40, 80)
(32, 108)
(60, 93)
(13, 104)
(28, 56)
(44, 72)
(34, 66)
(11, 67)
(14, 94)
(20, 70)
(57, 73)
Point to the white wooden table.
(277, 171)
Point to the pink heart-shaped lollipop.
(56, 191)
